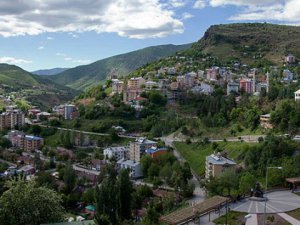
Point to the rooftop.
(32, 138)
(218, 159)
(155, 149)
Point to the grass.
(234, 218)
(195, 153)
(295, 213)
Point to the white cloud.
(12, 60)
(61, 54)
(41, 47)
(286, 11)
(130, 18)
(178, 3)
(81, 61)
(70, 59)
(50, 38)
(199, 4)
(187, 15)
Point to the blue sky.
(41, 34)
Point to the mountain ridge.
(49, 72)
(83, 77)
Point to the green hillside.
(14, 76)
(83, 77)
(38, 90)
(250, 42)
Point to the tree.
(26, 204)
(69, 178)
(247, 182)
(146, 162)
(36, 129)
(124, 189)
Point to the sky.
(42, 34)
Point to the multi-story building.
(246, 85)
(117, 153)
(297, 95)
(11, 119)
(154, 152)
(135, 169)
(25, 142)
(117, 86)
(131, 94)
(216, 164)
(212, 73)
(135, 82)
(70, 112)
(138, 148)
(232, 87)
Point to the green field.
(195, 153)
(234, 218)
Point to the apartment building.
(246, 85)
(12, 118)
(118, 153)
(135, 82)
(117, 86)
(25, 142)
(138, 148)
(216, 164)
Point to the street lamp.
(266, 188)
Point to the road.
(199, 193)
(86, 132)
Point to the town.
(119, 132)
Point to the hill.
(83, 77)
(250, 42)
(49, 72)
(40, 91)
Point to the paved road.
(199, 193)
(87, 132)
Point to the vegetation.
(26, 204)
(234, 218)
(84, 77)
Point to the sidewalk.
(252, 220)
(290, 219)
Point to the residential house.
(117, 86)
(297, 95)
(135, 169)
(288, 76)
(265, 121)
(216, 164)
(203, 88)
(212, 73)
(151, 85)
(42, 114)
(121, 152)
(290, 59)
(232, 87)
(131, 94)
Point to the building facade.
(138, 148)
(216, 164)
(118, 153)
(10, 119)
